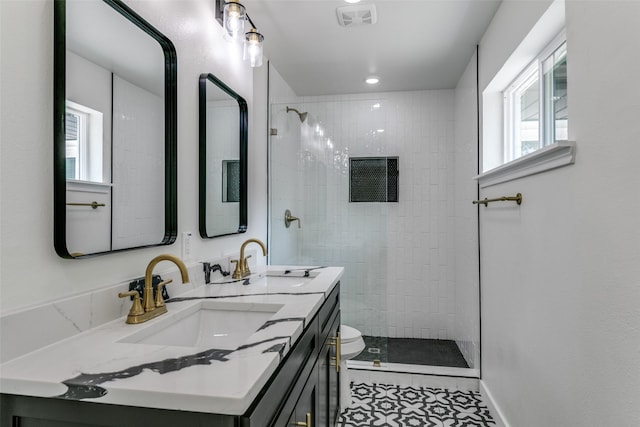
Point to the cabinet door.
(329, 378)
(306, 412)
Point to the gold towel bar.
(517, 198)
(94, 205)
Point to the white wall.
(30, 271)
(560, 274)
(467, 290)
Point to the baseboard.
(444, 371)
(496, 413)
(415, 380)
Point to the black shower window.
(373, 179)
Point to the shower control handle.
(288, 219)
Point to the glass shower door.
(309, 177)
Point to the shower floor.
(412, 351)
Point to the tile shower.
(399, 258)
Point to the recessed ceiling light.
(352, 1)
(380, 130)
(372, 80)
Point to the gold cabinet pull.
(335, 341)
(93, 204)
(307, 423)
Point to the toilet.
(351, 342)
(351, 345)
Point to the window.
(535, 103)
(76, 124)
(83, 130)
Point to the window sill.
(88, 186)
(554, 156)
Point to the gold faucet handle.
(136, 307)
(159, 300)
(237, 272)
(245, 266)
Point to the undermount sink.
(212, 324)
(286, 279)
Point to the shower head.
(302, 116)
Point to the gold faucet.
(242, 266)
(152, 308)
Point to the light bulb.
(233, 21)
(253, 47)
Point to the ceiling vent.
(351, 16)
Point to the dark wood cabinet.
(306, 413)
(328, 375)
(306, 382)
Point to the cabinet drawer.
(47, 412)
(296, 365)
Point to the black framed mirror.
(115, 138)
(223, 159)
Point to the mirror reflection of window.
(84, 143)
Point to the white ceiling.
(415, 45)
(100, 34)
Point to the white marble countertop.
(103, 365)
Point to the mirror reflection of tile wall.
(138, 211)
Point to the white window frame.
(546, 130)
(89, 164)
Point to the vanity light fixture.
(253, 47)
(232, 15)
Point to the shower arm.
(301, 116)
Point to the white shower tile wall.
(399, 257)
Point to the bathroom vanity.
(272, 360)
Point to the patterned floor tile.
(403, 406)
